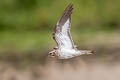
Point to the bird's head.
(52, 53)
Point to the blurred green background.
(26, 27)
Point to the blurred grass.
(24, 41)
(43, 14)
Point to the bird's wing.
(62, 30)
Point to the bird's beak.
(48, 55)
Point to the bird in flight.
(65, 48)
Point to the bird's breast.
(66, 53)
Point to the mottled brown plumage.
(65, 46)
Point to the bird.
(65, 48)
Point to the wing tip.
(66, 14)
(71, 4)
(69, 7)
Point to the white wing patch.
(63, 37)
(66, 27)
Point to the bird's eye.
(50, 53)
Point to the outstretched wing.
(62, 30)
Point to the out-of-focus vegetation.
(54, 71)
(26, 26)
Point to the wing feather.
(61, 33)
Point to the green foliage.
(43, 14)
